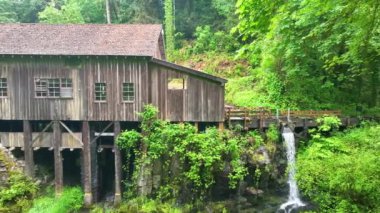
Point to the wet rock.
(253, 191)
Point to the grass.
(71, 200)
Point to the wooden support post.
(117, 199)
(86, 155)
(221, 126)
(28, 149)
(94, 166)
(58, 167)
(196, 125)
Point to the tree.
(322, 53)
(68, 13)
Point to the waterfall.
(293, 200)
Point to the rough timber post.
(86, 153)
(58, 167)
(28, 149)
(117, 199)
(221, 126)
(94, 166)
(196, 125)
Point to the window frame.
(51, 88)
(128, 92)
(4, 89)
(68, 81)
(184, 83)
(96, 92)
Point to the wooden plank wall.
(115, 72)
(16, 139)
(202, 101)
(21, 103)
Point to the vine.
(169, 25)
(198, 156)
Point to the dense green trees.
(342, 173)
(316, 53)
(68, 13)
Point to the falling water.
(294, 201)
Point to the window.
(3, 88)
(100, 92)
(40, 87)
(66, 88)
(177, 84)
(53, 88)
(128, 92)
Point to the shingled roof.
(82, 39)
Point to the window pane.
(53, 87)
(128, 92)
(66, 82)
(3, 87)
(100, 92)
(66, 88)
(40, 87)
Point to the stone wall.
(8, 163)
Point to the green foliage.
(194, 13)
(16, 194)
(169, 25)
(145, 205)
(71, 200)
(273, 133)
(318, 54)
(19, 187)
(7, 15)
(342, 173)
(200, 155)
(326, 126)
(209, 41)
(70, 12)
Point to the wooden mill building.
(66, 92)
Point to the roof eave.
(190, 71)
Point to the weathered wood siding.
(114, 72)
(21, 103)
(203, 100)
(16, 139)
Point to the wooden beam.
(86, 153)
(40, 133)
(117, 199)
(72, 133)
(58, 167)
(105, 129)
(28, 149)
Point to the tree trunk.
(108, 12)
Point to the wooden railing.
(310, 113)
(255, 113)
(247, 113)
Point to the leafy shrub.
(20, 189)
(326, 126)
(342, 173)
(209, 41)
(200, 155)
(145, 205)
(71, 200)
